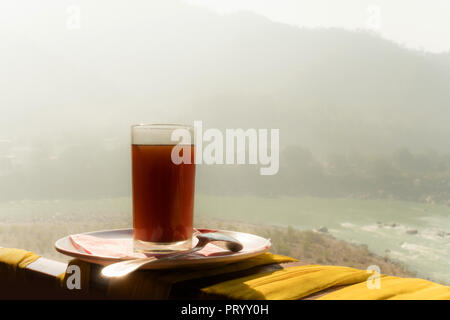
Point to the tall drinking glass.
(163, 191)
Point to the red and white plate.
(101, 249)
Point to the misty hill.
(69, 97)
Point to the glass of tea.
(163, 189)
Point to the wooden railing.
(42, 279)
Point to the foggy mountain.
(68, 98)
(326, 89)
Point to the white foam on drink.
(160, 134)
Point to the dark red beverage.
(163, 194)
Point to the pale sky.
(418, 24)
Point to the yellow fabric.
(302, 281)
(392, 288)
(155, 284)
(287, 284)
(13, 262)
